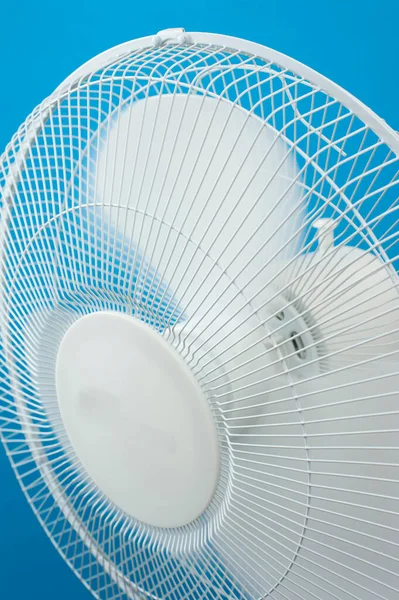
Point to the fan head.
(200, 326)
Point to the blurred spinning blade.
(209, 194)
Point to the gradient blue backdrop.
(354, 42)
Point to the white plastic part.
(228, 159)
(175, 35)
(356, 304)
(137, 419)
(325, 233)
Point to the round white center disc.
(137, 419)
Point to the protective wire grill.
(307, 502)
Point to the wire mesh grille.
(307, 502)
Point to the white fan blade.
(207, 192)
(352, 299)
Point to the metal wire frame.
(315, 523)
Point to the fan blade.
(206, 192)
(342, 292)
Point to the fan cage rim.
(226, 42)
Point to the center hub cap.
(137, 419)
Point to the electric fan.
(200, 326)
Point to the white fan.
(200, 326)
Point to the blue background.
(354, 42)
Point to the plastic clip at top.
(175, 35)
(325, 233)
